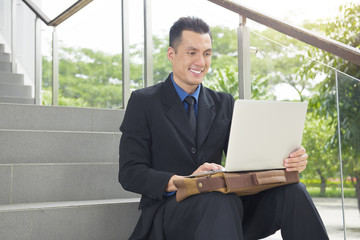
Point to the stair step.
(5, 184)
(35, 117)
(5, 57)
(60, 182)
(11, 78)
(108, 220)
(12, 90)
(17, 100)
(37, 146)
(5, 66)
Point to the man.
(160, 143)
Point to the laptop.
(263, 134)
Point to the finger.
(300, 158)
(297, 169)
(216, 166)
(298, 152)
(296, 164)
(206, 167)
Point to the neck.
(190, 89)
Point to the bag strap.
(208, 183)
(267, 177)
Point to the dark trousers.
(217, 216)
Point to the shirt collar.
(182, 93)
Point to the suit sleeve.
(136, 173)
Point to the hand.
(171, 187)
(297, 161)
(207, 167)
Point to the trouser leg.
(288, 208)
(214, 216)
(210, 216)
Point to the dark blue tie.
(191, 113)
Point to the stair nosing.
(66, 107)
(67, 204)
(57, 131)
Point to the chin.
(196, 79)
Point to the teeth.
(194, 71)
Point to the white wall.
(5, 23)
(24, 42)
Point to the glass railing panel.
(90, 73)
(349, 115)
(295, 12)
(46, 52)
(282, 71)
(279, 68)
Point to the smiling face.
(191, 59)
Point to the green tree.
(226, 80)
(162, 66)
(322, 160)
(224, 48)
(280, 58)
(344, 28)
(87, 78)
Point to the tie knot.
(190, 100)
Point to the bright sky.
(98, 25)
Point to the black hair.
(186, 23)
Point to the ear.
(171, 53)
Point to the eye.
(191, 53)
(207, 54)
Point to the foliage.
(87, 78)
(344, 28)
(332, 182)
(226, 80)
(162, 66)
(280, 58)
(331, 192)
(322, 161)
(224, 49)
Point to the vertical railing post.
(38, 61)
(148, 44)
(125, 52)
(244, 60)
(55, 69)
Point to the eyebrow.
(193, 48)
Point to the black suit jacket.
(157, 142)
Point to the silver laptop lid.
(264, 133)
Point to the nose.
(200, 60)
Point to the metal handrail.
(329, 45)
(61, 17)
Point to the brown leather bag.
(240, 183)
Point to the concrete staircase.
(58, 175)
(12, 88)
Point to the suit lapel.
(175, 110)
(206, 116)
